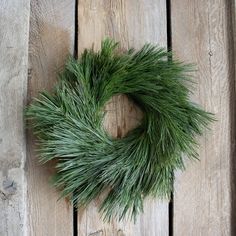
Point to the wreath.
(68, 123)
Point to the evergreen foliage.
(68, 125)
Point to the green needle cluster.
(69, 126)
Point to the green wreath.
(69, 127)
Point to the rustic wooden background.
(36, 36)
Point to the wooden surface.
(233, 162)
(133, 23)
(14, 28)
(202, 33)
(50, 42)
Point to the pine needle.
(68, 125)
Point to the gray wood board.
(201, 34)
(132, 23)
(50, 43)
(14, 28)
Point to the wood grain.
(232, 32)
(51, 41)
(14, 27)
(132, 22)
(201, 33)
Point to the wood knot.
(9, 187)
(210, 53)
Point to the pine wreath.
(68, 124)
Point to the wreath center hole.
(121, 116)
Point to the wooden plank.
(201, 33)
(132, 22)
(50, 42)
(233, 162)
(14, 27)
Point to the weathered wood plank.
(51, 40)
(132, 22)
(233, 163)
(14, 27)
(201, 33)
